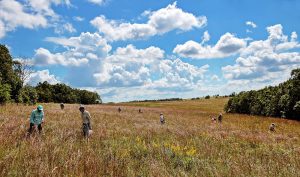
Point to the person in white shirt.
(86, 121)
(162, 118)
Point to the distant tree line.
(278, 101)
(213, 96)
(167, 99)
(12, 88)
(61, 93)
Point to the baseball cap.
(40, 107)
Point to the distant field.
(135, 144)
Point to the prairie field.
(136, 144)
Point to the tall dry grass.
(135, 144)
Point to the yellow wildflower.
(191, 152)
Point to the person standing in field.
(36, 119)
(119, 109)
(86, 121)
(162, 118)
(220, 117)
(272, 127)
(283, 114)
(62, 106)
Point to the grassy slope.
(133, 144)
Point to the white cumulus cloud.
(2, 29)
(62, 28)
(42, 76)
(177, 75)
(129, 66)
(266, 61)
(159, 22)
(172, 17)
(81, 50)
(44, 6)
(13, 14)
(148, 68)
(227, 45)
(205, 37)
(30, 14)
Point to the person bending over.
(36, 119)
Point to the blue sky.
(138, 49)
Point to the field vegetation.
(135, 144)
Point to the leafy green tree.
(45, 92)
(270, 101)
(86, 97)
(28, 95)
(4, 93)
(295, 74)
(13, 75)
(297, 107)
(294, 92)
(283, 103)
(7, 72)
(6, 65)
(63, 93)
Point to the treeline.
(167, 99)
(279, 101)
(213, 96)
(12, 87)
(61, 93)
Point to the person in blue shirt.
(36, 119)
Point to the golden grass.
(135, 144)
